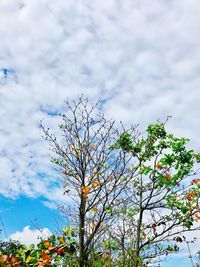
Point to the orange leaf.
(144, 234)
(95, 183)
(158, 165)
(46, 244)
(168, 176)
(196, 181)
(45, 260)
(85, 190)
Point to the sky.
(140, 57)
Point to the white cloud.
(28, 236)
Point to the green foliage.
(165, 164)
(9, 247)
(54, 251)
(124, 142)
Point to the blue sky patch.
(23, 211)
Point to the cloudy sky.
(141, 57)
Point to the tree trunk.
(123, 245)
(137, 249)
(123, 251)
(82, 233)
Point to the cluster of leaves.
(169, 169)
(54, 251)
(10, 247)
(166, 191)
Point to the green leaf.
(184, 210)
(124, 210)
